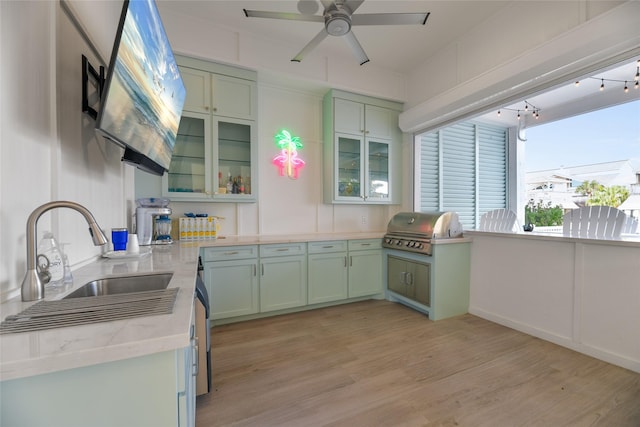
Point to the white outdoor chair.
(599, 222)
(630, 225)
(500, 220)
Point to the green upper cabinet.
(215, 156)
(362, 149)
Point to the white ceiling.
(401, 48)
(398, 48)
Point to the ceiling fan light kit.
(338, 19)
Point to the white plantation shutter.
(429, 173)
(492, 189)
(458, 172)
(463, 168)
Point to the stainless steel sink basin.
(123, 285)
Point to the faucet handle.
(43, 269)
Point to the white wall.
(577, 293)
(48, 150)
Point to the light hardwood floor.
(377, 363)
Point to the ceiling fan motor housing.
(337, 23)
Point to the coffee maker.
(153, 225)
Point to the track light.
(577, 83)
(602, 85)
(626, 88)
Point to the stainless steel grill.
(415, 231)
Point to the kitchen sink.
(123, 285)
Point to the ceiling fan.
(338, 18)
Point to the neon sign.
(288, 161)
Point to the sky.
(601, 136)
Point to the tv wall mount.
(96, 78)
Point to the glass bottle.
(240, 185)
(234, 188)
(229, 184)
(49, 247)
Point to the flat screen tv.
(143, 93)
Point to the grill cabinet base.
(448, 274)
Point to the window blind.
(463, 168)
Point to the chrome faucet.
(32, 286)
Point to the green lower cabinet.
(328, 277)
(156, 390)
(365, 273)
(232, 287)
(365, 267)
(253, 279)
(283, 282)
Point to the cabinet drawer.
(359, 245)
(283, 249)
(328, 246)
(230, 252)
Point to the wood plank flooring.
(377, 363)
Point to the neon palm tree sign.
(288, 161)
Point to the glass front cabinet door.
(215, 155)
(362, 150)
(214, 159)
(189, 174)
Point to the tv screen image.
(144, 93)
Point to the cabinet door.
(189, 173)
(420, 282)
(235, 157)
(198, 90)
(328, 277)
(380, 122)
(232, 287)
(349, 117)
(378, 164)
(349, 160)
(365, 273)
(283, 282)
(234, 97)
(397, 275)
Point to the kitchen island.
(580, 293)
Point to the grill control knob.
(399, 243)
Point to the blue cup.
(119, 238)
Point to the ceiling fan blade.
(357, 50)
(390, 19)
(282, 15)
(353, 4)
(312, 44)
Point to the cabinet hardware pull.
(345, 261)
(365, 244)
(231, 253)
(254, 270)
(282, 249)
(327, 247)
(410, 276)
(262, 268)
(215, 109)
(195, 360)
(403, 277)
(350, 261)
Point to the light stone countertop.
(27, 354)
